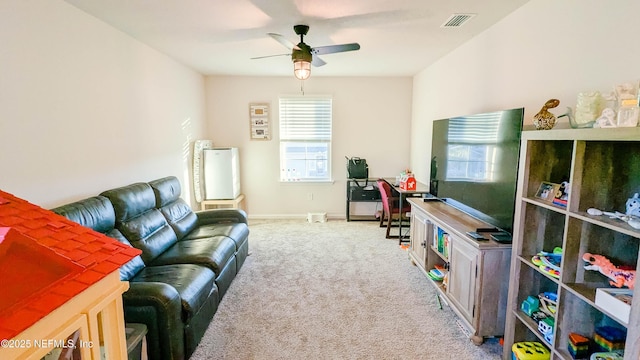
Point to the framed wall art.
(259, 121)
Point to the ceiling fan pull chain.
(302, 86)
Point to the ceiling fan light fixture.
(301, 69)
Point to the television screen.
(474, 164)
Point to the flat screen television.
(474, 164)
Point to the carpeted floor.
(334, 290)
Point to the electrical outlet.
(309, 196)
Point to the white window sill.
(297, 182)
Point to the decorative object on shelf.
(588, 108)
(606, 119)
(544, 120)
(549, 263)
(547, 191)
(628, 110)
(619, 277)
(578, 346)
(259, 121)
(562, 194)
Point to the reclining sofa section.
(188, 259)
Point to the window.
(305, 138)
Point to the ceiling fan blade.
(268, 56)
(330, 49)
(316, 61)
(284, 41)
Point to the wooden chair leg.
(382, 218)
(389, 221)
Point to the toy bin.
(529, 350)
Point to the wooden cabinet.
(463, 265)
(420, 227)
(476, 287)
(603, 169)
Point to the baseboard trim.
(290, 217)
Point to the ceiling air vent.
(457, 20)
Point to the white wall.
(546, 49)
(371, 120)
(85, 108)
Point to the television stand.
(478, 271)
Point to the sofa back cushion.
(179, 215)
(97, 213)
(139, 221)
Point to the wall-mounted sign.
(260, 125)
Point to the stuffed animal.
(619, 277)
(633, 206)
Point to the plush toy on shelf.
(619, 277)
(633, 206)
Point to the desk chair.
(390, 211)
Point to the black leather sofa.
(188, 259)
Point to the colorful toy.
(530, 305)
(436, 274)
(530, 350)
(609, 338)
(578, 346)
(549, 263)
(545, 326)
(548, 303)
(619, 277)
(607, 356)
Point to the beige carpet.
(335, 290)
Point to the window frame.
(298, 114)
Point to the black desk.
(356, 194)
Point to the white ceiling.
(218, 37)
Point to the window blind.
(306, 118)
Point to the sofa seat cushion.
(238, 232)
(194, 284)
(131, 268)
(213, 252)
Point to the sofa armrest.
(217, 216)
(158, 306)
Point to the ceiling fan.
(303, 55)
